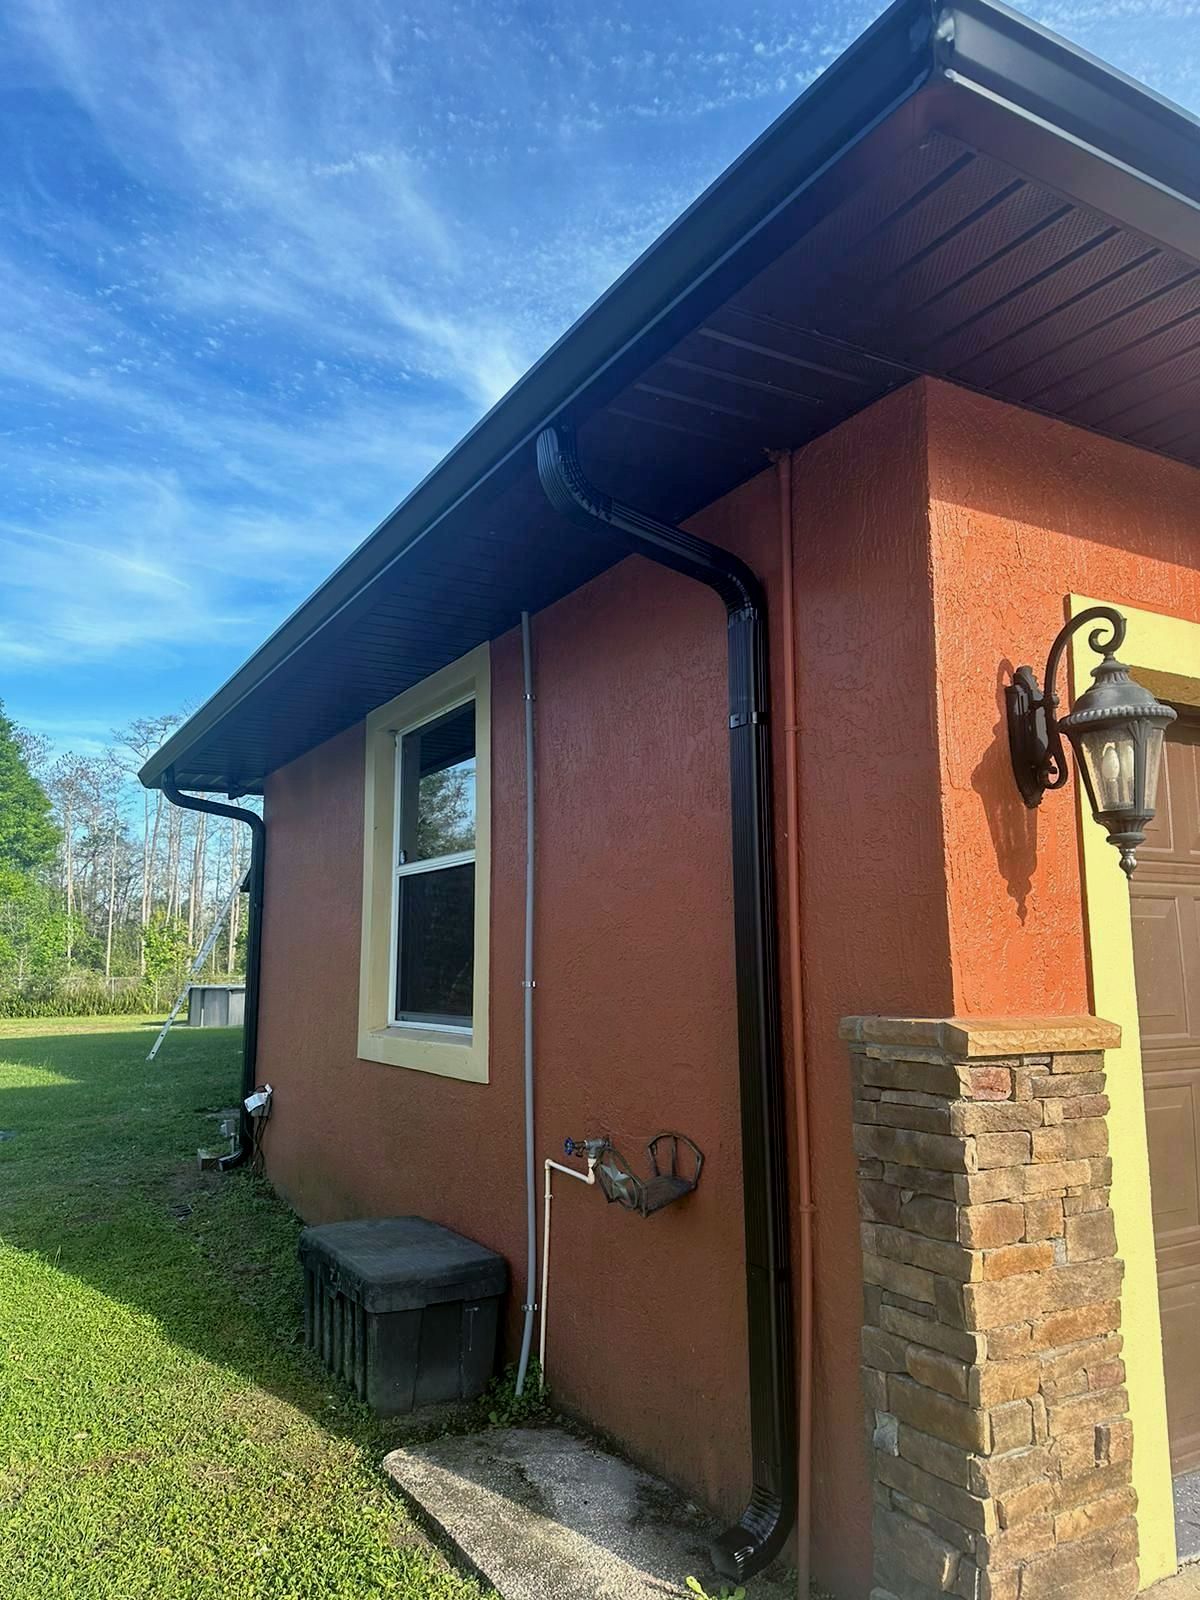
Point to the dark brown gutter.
(759, 1534)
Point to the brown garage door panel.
(1175, 832)
(1180, 1317)
(1166, 946)
(1171, 1129)
(1165, 910)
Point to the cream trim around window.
(451, 1053)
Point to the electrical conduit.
(804, 1289)
(530, 1305)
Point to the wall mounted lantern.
(1116, 730)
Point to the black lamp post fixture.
(1116, 730)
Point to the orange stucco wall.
(635, 1028)
(874, 931)
(935, 537)
(1025, 511)
(635, 1020)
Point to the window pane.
(435, 958)
(437, 783)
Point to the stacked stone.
(991, 1353)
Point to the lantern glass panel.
(1153, 758)
(1109, 759)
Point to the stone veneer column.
(991, 1357)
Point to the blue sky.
(261, 264)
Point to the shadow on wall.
(1012, 824)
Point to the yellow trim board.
(422, 1050)
(1163, 653)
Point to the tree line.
(107, 890)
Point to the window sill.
(446, 1055)
(463, 1037)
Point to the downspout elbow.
(213, 808)
(756, 1539)
(574, 497)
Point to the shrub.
(87, 997)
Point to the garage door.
(1166, 944)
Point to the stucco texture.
(635, 1027)
(874, 934)
(635, 1019)
(935, 537)
(1025, 511)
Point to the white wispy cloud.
(261, 265)
(276, 263)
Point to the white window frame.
(408, 869)
(445, 1049)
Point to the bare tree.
(127, 856)
(110, 784)
(112, 893)
(196, 887)
(67, 784)
(35, 748)
(136, 744)
(174, 837)
(235, 873)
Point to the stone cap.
(963, 1037)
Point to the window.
(423, 979)
(433, 923)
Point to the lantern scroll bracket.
(1039, 760)
(1115, 728)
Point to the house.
(913, 383)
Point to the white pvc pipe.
(588, 1177)
(528, 987)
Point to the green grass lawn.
(163, 1432)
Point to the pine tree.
(28, 836)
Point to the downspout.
(804, 1187)
(258, 850)
(759, 1534)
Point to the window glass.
(435, 957)
(435, 887)
(437, 784)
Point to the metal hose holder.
(675, 1165)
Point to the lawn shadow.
(99, 1179)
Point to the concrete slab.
(1186, 1489)
(542, 1515)
(1185, 1585)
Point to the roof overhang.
(961, 194)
